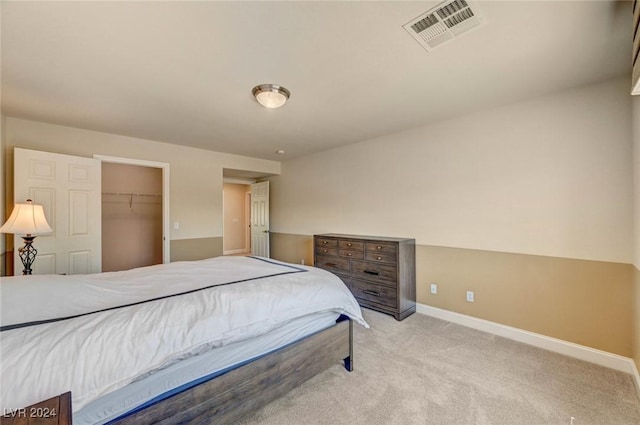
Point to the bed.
(188, 342)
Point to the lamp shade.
(26, 219)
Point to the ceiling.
(182, 72)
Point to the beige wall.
(549, 178)
(196, 174)
(235, 217)
(131, 225)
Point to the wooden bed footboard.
(231, 396)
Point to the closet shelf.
(132, 194)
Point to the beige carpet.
(428, 371)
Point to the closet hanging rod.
(132, 194)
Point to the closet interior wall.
(131, 216)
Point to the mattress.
(95, 334)
(187, 373)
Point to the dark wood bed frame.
(231, 396)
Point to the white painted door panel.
(68, 188)
(260, 219)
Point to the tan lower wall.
(195, 249)
(585, 302)
(636, 319)
(7, 262)
(581, 301)
(291, 248)
(181, 250)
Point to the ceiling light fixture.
(271, 95)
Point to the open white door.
(260, 219)
(68, 187)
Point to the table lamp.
(28, 220)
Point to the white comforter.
(98, 352)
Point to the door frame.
(166, 222)
(247, 220)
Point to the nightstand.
(55, 411)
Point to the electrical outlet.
(470, 296)
(434, 288)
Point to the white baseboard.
(636, 378)
(602, 358)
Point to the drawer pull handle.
(378, 247)
(379, 258)
(324, 250)
(372, 272)
(348, 244)
(325, 242)
(370, 292)
(349, 254)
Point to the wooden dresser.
(55, 411)
(379, 271)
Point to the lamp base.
(27, 254)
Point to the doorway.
(236, 218)
(135, 213)
(131, 216)
(256, 207)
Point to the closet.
(131, 216)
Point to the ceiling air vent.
(443, 23)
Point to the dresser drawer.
(351, 245)
(381, 251)
(326, 243)
(333, 264)
(351, 249)
(380, 294)
(382, 273)
(358, 255)
(327, 250)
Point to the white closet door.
(260, 219)
(68, 187)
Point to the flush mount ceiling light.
(271, 95)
